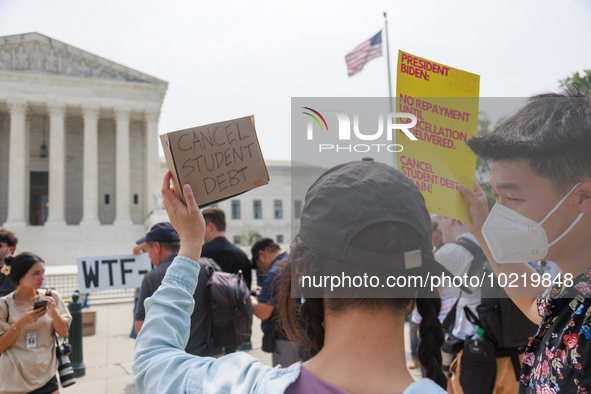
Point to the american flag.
(370, 49)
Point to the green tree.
(482, 166)
(252, 237)
(583, 82)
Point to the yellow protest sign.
(445, 102)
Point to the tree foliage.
(482, 166)
(252, 237)
(581, 81)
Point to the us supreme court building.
(80, 171)
(79, 163)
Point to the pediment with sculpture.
(40, 57)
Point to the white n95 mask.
(514, 238)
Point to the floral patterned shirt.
(558, 358)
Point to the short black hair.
(216, 216)
(552, 131)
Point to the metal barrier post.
(75, 335)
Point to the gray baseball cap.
(354, 195)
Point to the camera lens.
(66, 372)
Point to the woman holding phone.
(29, 319)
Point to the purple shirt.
(307, 383)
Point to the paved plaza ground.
(108, 353)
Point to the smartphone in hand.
(40, 305)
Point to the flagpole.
(388, 54)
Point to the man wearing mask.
(541, 178)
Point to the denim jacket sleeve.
(161, 365)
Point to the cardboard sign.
(445, 103)
(100, 273)
(219, 160)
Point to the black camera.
(65, 349)
(64, 369)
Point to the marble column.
(122, 178)
(57, 165)
(152, 174)
(90, 201)
(17, 165)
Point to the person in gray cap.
(359, 216)
(162, 244)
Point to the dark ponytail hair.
(432, 337)
(303, 324)
(312, 315)
(20, 265)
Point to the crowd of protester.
(364, 215)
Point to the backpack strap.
(7, 313)
(477, 263)
(48, 293)
(516, 364)
(476, 251)
(450, 318)
(211, 267)
(472, 318)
